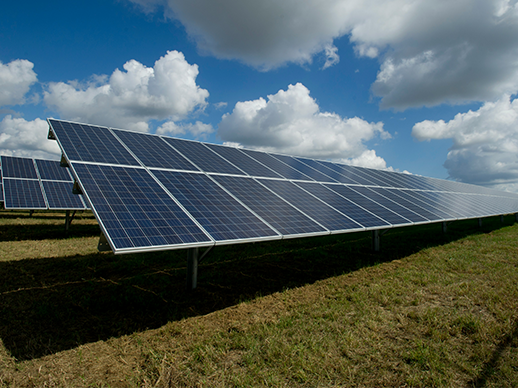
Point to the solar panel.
(276, 165)
(14, 167)
(134, 211)
(162, 155)
(51, 170)
(221, 216)
(90, 143)
(203, 157)
(60, 196)
(280, 214)
(304, 168)
(152, 192)
(345, 206)
(313, 207)
(23, 194)
(251, 166)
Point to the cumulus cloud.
(132, 97)
(430, 52)
(16, 78)
(290, 122)
(485, 144)
(19, 137)
(198, 129)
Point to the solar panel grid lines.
(244, 161)
(16, 167)
(313, 207)
(347, 173)
(275, 164)
(354, 211)
(427, 206)
(219, 213)
(337, 177)
(59, 196)
(52, 171)
(420, 196)
(23, 194)
(135, 212)
(203, 157)
(392, 205)
(275, 210)
(303, 168)
(388, 215)
(163, 155)
(90, 143)
(426, 213)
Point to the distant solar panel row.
(152, 192)
(37, 184)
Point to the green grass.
(430, 309)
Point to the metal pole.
(444, 227)
(502, 218)
(376, 240)
(480, 222)
(192, 268)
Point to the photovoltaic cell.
(420, 197)
(314, 208)
(340, 203)
(277, 166)
(277, 212)
(14, 167)
(89, 143)
(60, 197)
(52, 170)
(220, 215)
(134, 210)
(203, 157)
(23, 194)
(153, 151)
(243, 161)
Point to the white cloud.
(198, 129)
(431, 52)
(332, 57)
(131, 98)
(290, 122)
(485, 143)
(19, 137)
(16, 78)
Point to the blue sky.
(418, 86)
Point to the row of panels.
(37, 184)
(87, 143)
(147, 209)
(152, 192)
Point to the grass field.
(430, 309)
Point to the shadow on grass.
(29, 227)
(54, 304)
(490, 366)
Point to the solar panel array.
(151, 192)
(37, 184)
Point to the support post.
(480, 222)
(31, 212)
(516, 217)
(192, 268)
(376, 240)
(501, 218)
(444, 227)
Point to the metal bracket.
(63, 162)
(51, 135)
(103, 245)
(68, 219)
(76, 189)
